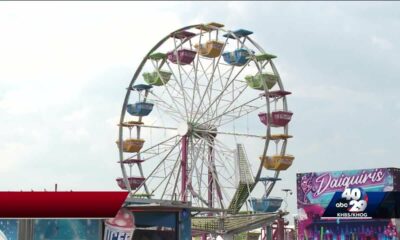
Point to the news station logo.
(352, 204)
(355, 202)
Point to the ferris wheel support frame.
(184, 148)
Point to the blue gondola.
(239, 57)
(265, 204)
(238, 34)
(140, 108)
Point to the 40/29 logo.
(354, 200)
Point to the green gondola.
(256, 81)
(157, 78)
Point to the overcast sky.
(64, 67)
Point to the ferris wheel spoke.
(232, 134)
(174, 174)
(174, 116)
(230, 180)
(210, 82)
(158, 165)
(195, 81)
(174, 192)
(231, 102)
(202, 147)
(205, 91)
(194, 89)
(150, 154)
(194, 157)
(201, 150)
(154, 146)
(223, 149)
(162, 111)
(229, 82)
(194, 161)
(226, 111)
(226, 107)
(166, 108)
(174, 101)
(214, 174)
(166, 179)
(210, 111)
(177, 81)
(220, 159)
(158, 127)
(182, 89)
(241, 113)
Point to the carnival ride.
(188, 116)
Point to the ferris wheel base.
(225, 225)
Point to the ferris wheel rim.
(139, 70)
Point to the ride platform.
(233, 224)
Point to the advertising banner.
(8, 229)
(344, 204)
(62, 229)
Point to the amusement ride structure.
(197, 126)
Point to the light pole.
(287, 192)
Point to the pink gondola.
(278, 118)
(185, 56)
(134, 182)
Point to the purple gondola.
(182, 56)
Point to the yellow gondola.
(211, 49)
(132, 145)
(278, 162)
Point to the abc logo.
(357, 200)
(342, 205)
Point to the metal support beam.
(268, 233)
(184, 168)
(280, 229)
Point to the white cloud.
(381, 43)
(51, 58)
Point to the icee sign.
(121, 227)
(114, 234)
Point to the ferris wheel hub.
(196, 130)
(183, 129)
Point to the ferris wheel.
(199, 117)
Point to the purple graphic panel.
(316, 189)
